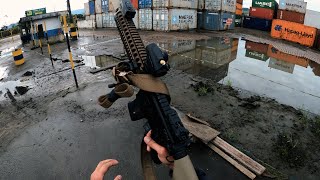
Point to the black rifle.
(167, 128)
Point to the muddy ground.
(284, 139)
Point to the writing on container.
(299, 33)
(269, 4)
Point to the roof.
(43, 16)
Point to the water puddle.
(3, 72)
(11, 89)
(255, 67)
(97, 62)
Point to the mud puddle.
(97, 62)
(258, 68)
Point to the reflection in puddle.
(99, 61)
(3, 72)
(258, 68)
(15, 88)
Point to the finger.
(106, 165)
(119, 177)
(101, 163)
(149, 133)
(148, 148)
(152, 144)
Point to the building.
(30, 24)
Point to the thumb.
(119, 177)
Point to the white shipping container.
(281, 65)
(178, 47)
(312, 18)
(113, 5)
(108, 20)
(98, 6)
(86, 9)
(221, 5)
(87, 17)
(201, 4)
(99, 20)
(216, 57)
(174, 19)
(293, 5)
(145, 19)
(86, 24)
(192, 4)
(92, 17)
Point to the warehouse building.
(37, 21)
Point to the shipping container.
(257, 23)
(99, 20)
(191, 4)
(256, 55)
(294, 32)
(113, 5)
(145, 4)
(270, 4)
(290, 16)
(293, 5)
(87, 17)
(238, 21)
(135, 3)
(93, 17)
(98, 6)
(239, 6)
(275, 53)
(86, 9)
(315, 67)
(145, 19)
(240, 1)
(216, 57)
(233, 55)
(221, 5)
(178, 47)
(262, 13)
(105, 6)
(91, 7)
(258, 47)
(200, 20)
(281, 65)
(219, 21)
(245, 11)
(238, 12)
(218, 43)
(108, 20)
(174, 19)
(317, 41)
(312, 19)
(201, 4)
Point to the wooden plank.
(240, 167)
(103, 69)
(238, 155)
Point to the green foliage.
(229, 83)
(315, 127)
(202, 89)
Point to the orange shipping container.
(238, 12)
(275, 53)
(135, 3)
(239, 6)
(294, 32)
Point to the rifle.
(143, 69)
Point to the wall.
(52, 23)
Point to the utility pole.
(73, 30)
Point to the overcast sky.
(12, 10)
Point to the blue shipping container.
(145, 4)
(200, 20)
(91, 7)
(257, 23)
(219, 21)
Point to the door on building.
(40, 31)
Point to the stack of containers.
(200, 12)
(289, 25)
(172, 15)
(145, 14)
(261, 14)
(238, 19)
(219, 14)
(257, 51)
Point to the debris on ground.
(28, 73)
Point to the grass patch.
(289, 150)
(315, 127)
(202, 88)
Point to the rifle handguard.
(120, 91)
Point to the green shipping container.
(269, 4)
(256, 55)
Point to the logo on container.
(278, 28)
(263, 4)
